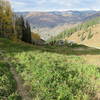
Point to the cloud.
(25, 5)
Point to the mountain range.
(55, 18)
(48, 24)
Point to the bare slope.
(94, 41)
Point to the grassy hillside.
(53, 73)
(90, 37)
(84, 30)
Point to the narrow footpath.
(20, 87)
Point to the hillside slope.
(53, 73)
(94, 41)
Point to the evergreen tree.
(12, 26)
(28, 30)
(23, 29)
(1, 17)
(18, 27)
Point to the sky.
(54, 5)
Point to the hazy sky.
(45, 5)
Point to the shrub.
(90, 34)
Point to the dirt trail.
(20, 87)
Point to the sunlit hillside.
(47, 72)
(94, 34)
(86, 33)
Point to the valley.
(48, 24)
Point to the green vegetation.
(48, 72)
(83, 37)
(7, 83)
(22, 29)
(84, 26)
(53, 73)
(6, 18)
(90, 34)
(12, 26)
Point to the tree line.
(11, 25)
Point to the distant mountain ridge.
(56, 18)
(49, 24)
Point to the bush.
(90, 34)
(14, 96)
(83, 37)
